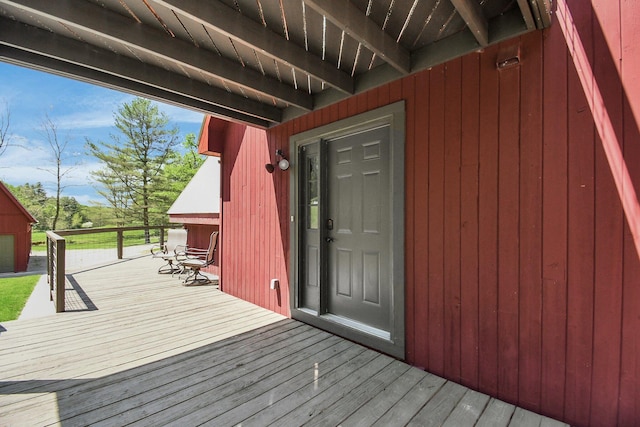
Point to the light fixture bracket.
(281, 161)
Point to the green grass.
(94, 241)
(14, 292)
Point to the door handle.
(328, 239)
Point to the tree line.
(43, 208)
(143, 171)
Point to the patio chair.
(176, 243)
(194, 260)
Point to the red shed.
(15, 233)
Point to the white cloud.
(93, 110)
(17, 155)
(19, 166)
(98, 112)
(80, 174)
(85, 120)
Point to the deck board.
(147, 351)
(436, 411)
(496, 414)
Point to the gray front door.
(345, 229)
(359, 277)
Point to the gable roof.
(17, 203)
(202, 193)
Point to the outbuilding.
(198, 207)
(15, 233)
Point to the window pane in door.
(313, 193)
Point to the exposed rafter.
(526, 14)
(471, 12)
(44, 43)
(352, 21)
(542, 12)
(221, 18)
(503, 27)
(86, 16)
(235, 62)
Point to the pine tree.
(133, 162)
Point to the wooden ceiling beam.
(542, 12)
(353, 22)
(471, 12)
(105, 62)
(218, 17)
(525, 9)
(86, 16)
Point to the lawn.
(94, 241)
(14, 292)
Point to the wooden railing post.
(60, 275)
(120, 243)
(50, 267)
(56, 247)
(161, 236)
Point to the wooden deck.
(141, 349)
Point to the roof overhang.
(259, 62)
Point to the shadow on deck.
(157, 353)
(76, 299)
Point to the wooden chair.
(196, 259)
(176, 243)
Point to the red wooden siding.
(522, 277)
(16, 221)
(198, 237)
(200, 227)
(629, 395)
(255, 228)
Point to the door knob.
(328, 239)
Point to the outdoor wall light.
(283, 163)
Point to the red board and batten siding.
(16, 221)
(255, 229)
(198, 237)
(522, 279)
(629, 408)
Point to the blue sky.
(80, 110)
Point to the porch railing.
(56, 246)
(56, 255)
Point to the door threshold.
(354, 324)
